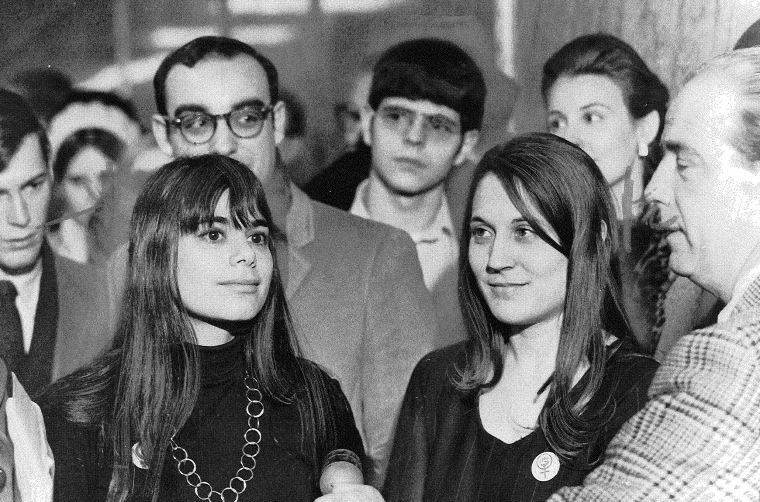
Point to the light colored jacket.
(698, 438)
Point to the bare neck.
(411, 213)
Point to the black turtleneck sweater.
(213, 438)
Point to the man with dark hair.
(425, 111)
(49, 318)
(698, 438)
(354, 287)
(50, 325)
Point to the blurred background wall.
(320, 45)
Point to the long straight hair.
(144, 388)
(566, 189)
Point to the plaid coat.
(698, 438)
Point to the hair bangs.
(411, 81)
(199, 206)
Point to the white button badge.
(545, 466)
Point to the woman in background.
(202, 395)
(550, 370)
(85, 165)
(601, 95)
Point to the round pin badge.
(545, 466)
(137, 457)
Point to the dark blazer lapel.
(39, 361)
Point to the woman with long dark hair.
(601, 95)
(550, 370)
(202, 395)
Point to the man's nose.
(415, 133)
(659, 188)
(17, 211)
(225, 141)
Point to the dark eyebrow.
(595, 103)
(439, 116)
(40, 177)
(676, 147)
(31, 181)
(256, 103)
(478, 219)
(190, 108)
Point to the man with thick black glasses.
(354, 287)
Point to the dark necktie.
(11, 336)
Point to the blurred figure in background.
(45, 89)
(423, 120)
(116, 147)
(294, 149)
(51, 322)
(600, 95)
(85, 166)
(336, 184)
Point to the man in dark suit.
(48, 305)
(354, 286)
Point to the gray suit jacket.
(698, 438)
(82, 329)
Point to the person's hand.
(352, 493)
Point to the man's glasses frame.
(187, 119)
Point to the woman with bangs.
(550, 370)
(202, 395)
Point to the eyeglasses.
(199, 127)
(436, 127)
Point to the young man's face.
(24, 196)
(415, 143)
(217, 85)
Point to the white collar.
(442, 224)
(739, 289)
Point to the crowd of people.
(181, 320)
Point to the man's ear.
(466, 151)
(279, 117)
(367, 115)
(646, 130)
(161, 134)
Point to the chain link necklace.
(251, 448)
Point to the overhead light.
(281, 7)
(114, 76)
(268, 7)
(267, 34)
(171, 37)
(358, 6)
